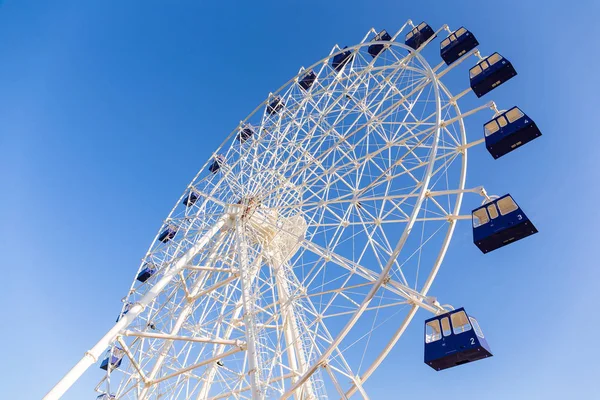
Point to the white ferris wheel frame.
(231, 221)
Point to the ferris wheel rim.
(274, 228)
(408, 227)
(435, 82)
(440, 258)
(410, 53)
(232, 134)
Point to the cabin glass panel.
(432, 331)
(460, 32)
(514, 114)
(484, 65)
(507, 205)
(446, 330)
(409, 35)
(422, 26)
(476, 70)
(460, 322)
(493, 211)
(476, 327)
(494, 58)
(445, 43)
(480, 217)
(502, 121)
(491, 127)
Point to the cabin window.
(422, 26)
(380, 36)
(461, 31)
(476, 327)
(446, 331)
(491, 127)
(494, 58)
(117, 352)
(514, 114)
(480, 217)
(506, 205)
(445, 42)
(476, 70)
(492, 211)
(484, 65)
(502, 121)
(432, 331)
(409, 35)
(460, 322)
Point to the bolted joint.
(91, 355)
(142, 306)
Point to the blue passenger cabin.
(106, 396)
(457, 44)
(307, 80)
(274, 106)
(341, 59)
(490, 73)
(498, 223)
(375, 49)
(113, 358)
(167, 234)
(508, 131)
(190, 198)
(146, 272)
(216, 164)
(245, 133)
(453, 339)
(126, 309)
(419, 35)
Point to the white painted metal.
(91, 356)
(338, 213)
(187, 309)
(249, 304)
(384, 273)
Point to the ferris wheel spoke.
(349, 199)
(371, 243)
(382, 176)
(395, 287)
(388, 82)
(413, 193)
(316, 324)
(196, 366)
(132, 359)
(408, 108)
(336, 384)
(186, 311)
(326, 152)
(353, 310)
(234, 393)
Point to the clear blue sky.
(108, 108)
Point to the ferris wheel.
(303, 248)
